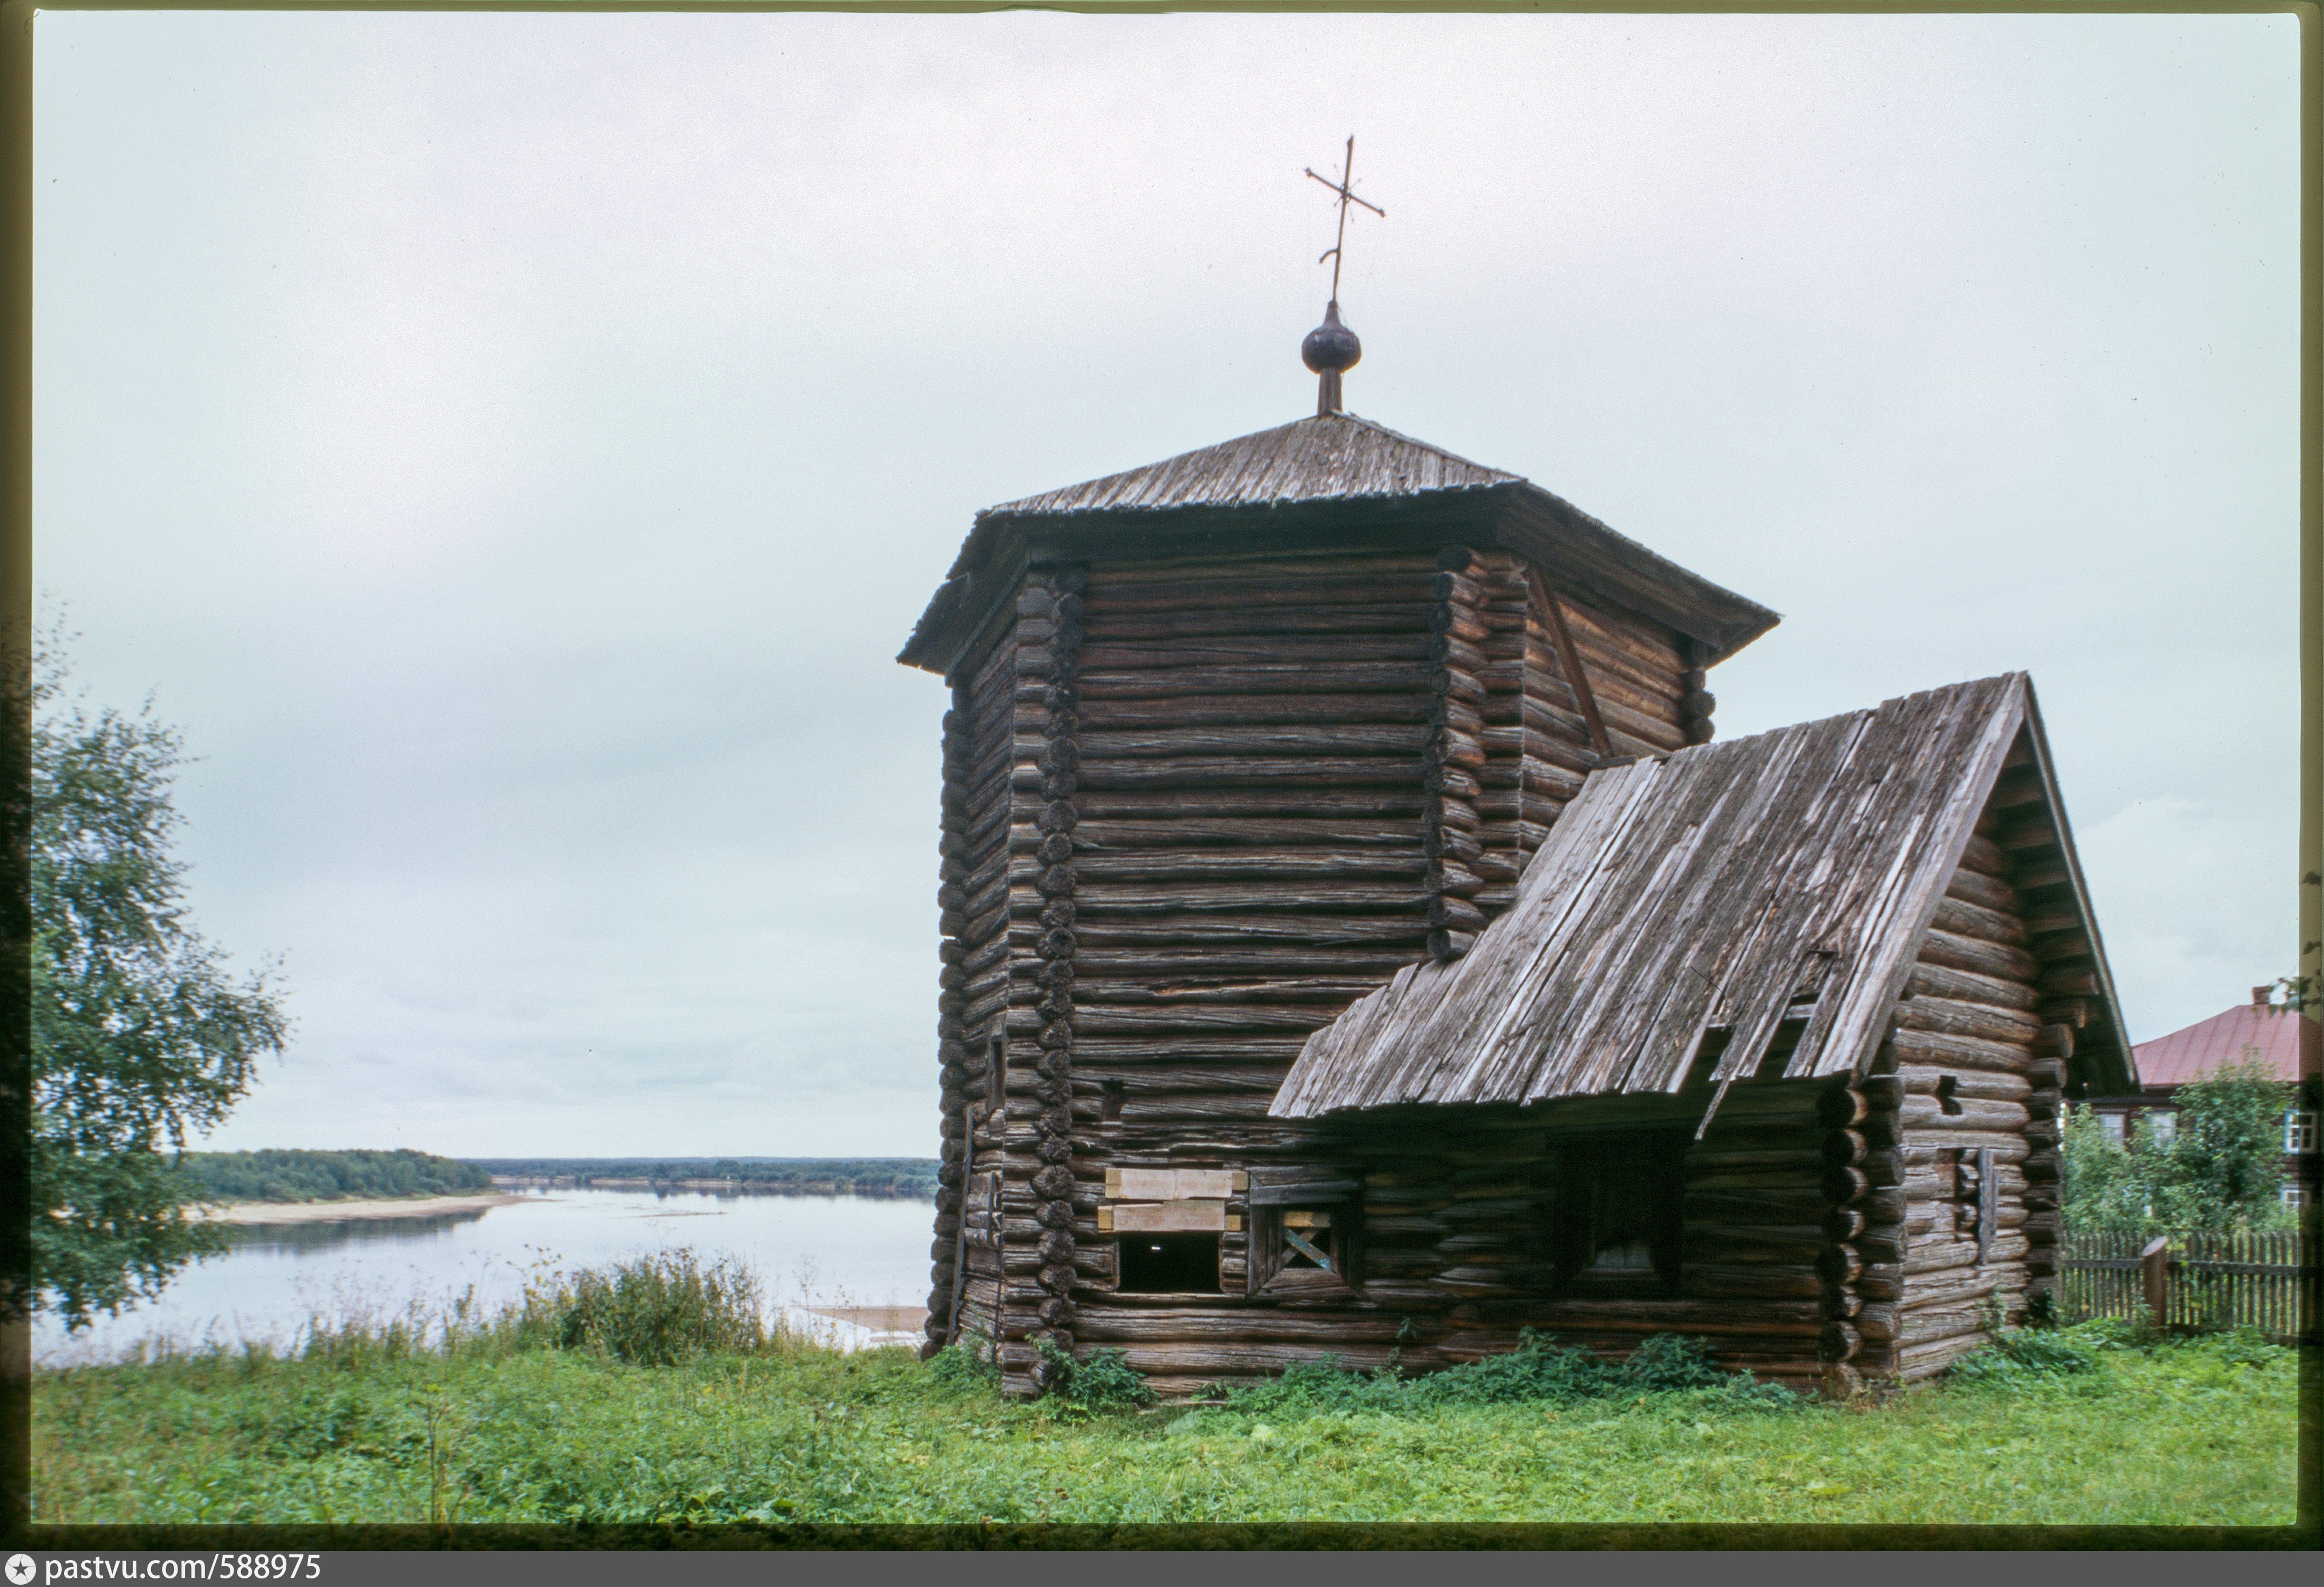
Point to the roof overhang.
(1572, 548)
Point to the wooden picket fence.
(2198, 1281)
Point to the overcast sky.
(514, 447)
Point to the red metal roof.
(2223, 1038)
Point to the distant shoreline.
(334, 1211)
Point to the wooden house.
(2283, 1044)
(1355, 947)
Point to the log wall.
(1193, 809)
(1971, 1065)
(973, 900)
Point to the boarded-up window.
(1306, 1227)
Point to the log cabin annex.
(1355, 943)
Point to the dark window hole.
(1169, 1264)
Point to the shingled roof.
(1323, 484)
(1723, 887)
(1332, 457)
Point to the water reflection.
(345, 1231)
(831, 1251)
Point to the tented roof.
(1330, 482)
(1332, 457)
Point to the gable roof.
(2272, 1038)
(1714, 888)
(1263, 493)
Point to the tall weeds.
(653, 1310)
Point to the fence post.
(2154, 1267)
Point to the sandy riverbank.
(878, 1319)
(335, 1211)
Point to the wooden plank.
(1576, 678)
(1169, 1217)
(1172, 1183)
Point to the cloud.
(515, 446)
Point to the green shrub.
(968, 1360)
(653, 1310)
(2018, 1354)
(1537, 1373)
(1103, 1380)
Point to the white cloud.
(516, 445)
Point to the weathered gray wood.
(1593, 980)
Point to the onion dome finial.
(1329, 348)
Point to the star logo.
(20, 1569)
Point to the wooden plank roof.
(1262, 494)
(1722, 887)
(1332, 457)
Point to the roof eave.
(1573, 545)
(2040, 740)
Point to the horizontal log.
(1949, 951)
(1923, 1146)
(1104, 656)
(1257, 864)
(1099, 747)
(1186, 990)
(1271, 833)
(1335, 676)
(1097, 898)
(1755, 1242)
(1963, 1113)
(1116, 624)
(2072, 980)
(1163, 928)
(1987, 891)
(1937, 1256)
(1943, 1291)
(1269, 959)
(1980, 1022)
(1100, 712)
(1800, 1204)
(1981, 1083)
(1229, 771)
(1707, 1281)
(1915, 1362)
(1928, 979)
(1117, 1323)
(1959, 917)
(1933, 1049)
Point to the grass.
(493, 1422)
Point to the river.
(808, 1251)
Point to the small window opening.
(996, 1076)
(1620, 1230)
(1947, 1097)
(1633, 1255)
(1169, 1264)
(1112, 1091)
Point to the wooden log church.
(1355, 945)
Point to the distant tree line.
(328, 1175)
(913, 1177)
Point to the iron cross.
(1347, 197)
